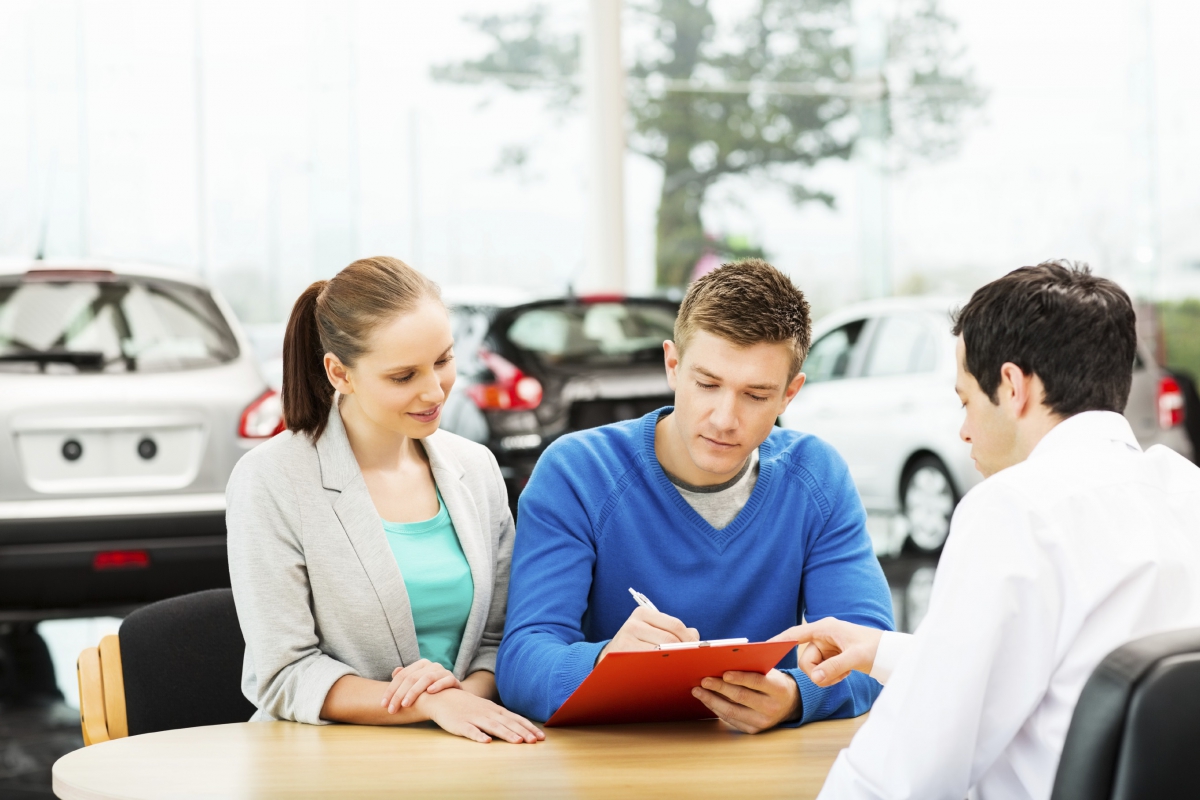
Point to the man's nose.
(724, 415)
(962, 433)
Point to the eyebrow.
(405, 369)
(764, 387)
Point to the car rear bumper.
(13, 511)
(49, 564)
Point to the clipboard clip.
(696, 645)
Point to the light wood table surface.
(277, 759)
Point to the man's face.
(728, 397)
(990, 428)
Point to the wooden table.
(277, 759)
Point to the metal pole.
(81, 110)
(201, 169)
(870, 52)
(604, 87)
(1147, 246)
(414, 189)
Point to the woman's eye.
(404, 378)
(445, 361)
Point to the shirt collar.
(1087, 427)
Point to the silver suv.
(127, 394)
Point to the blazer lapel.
(356, 511)
(472, 535)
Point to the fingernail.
(695, 692)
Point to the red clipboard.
(656, 685)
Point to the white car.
(129, 392)
(880, 389)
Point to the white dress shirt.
(1051, 564)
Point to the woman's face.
(401, 382)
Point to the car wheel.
(928, 498)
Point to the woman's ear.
(338, 374)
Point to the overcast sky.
(324, 139)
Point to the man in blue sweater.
(732, 527)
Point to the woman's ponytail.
(307, 393)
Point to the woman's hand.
(420, 677)
(463, 714)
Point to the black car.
(532, 372)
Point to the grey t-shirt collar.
(717, 487)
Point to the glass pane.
(829, 358)
(593, 333)
(123, 325)
(902, 345)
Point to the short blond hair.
(747, 302)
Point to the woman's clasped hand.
(459, 712)
(409, 683)
(432, 690)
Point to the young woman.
(369, 551)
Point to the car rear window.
(593, 334)
(125, 324)
(830, 356)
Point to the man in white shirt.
(1076, 543)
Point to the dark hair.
(1058, 321)
(338, 316)
(747, 302)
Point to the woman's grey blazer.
(318, 591)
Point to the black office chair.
(1136, 731)
(174, 664)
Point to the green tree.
(771, 94)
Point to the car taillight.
(1170, 402)
(263, 418)
(121, 559)
(512, 390)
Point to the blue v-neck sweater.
(600, 516)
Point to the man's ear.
(1017, 387)
(671, 362)
(792, 389)
(338, 374)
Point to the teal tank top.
(438, 580)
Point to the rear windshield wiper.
(81, 359)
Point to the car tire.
(927, 500)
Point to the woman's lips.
(428, 416)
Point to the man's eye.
(760, 399)
(706, 385)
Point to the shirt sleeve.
(501, 522)
(544, 655)
(892, 648)
(842, 578)
(290, 673)
(974, 671)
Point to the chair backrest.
(1135, 732)
(182, 663)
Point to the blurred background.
(172, 175)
